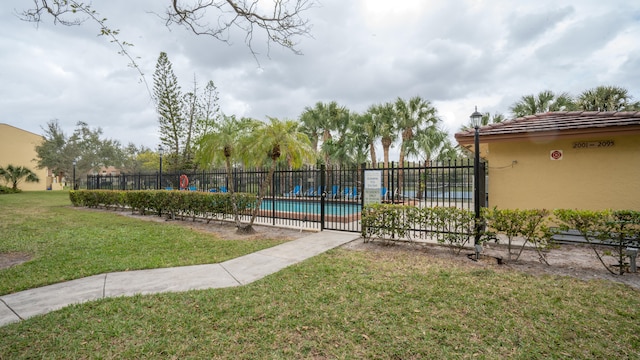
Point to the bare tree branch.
(281, 21)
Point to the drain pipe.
(632, 253)
(478, 249)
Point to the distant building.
(18, 148)
(576, 160)
(105, 171)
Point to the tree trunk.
(372, 150)
(248, 229)
(386, 144)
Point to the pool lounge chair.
(310, 192)
(346, 192)
(295, 192)
(354, 194)
(383, 194)
(334, 191)
(223, 189)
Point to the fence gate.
(445, 183)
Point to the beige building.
(576, 160)
(18, 148)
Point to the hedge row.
(392, 222)
(456, 228)
(184, 203)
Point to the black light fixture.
(161, 152)
(476, 120)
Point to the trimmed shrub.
(172, 203)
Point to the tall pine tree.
(168, 99)
(191, 113)
(183, 118)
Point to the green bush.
(530, 225)
(451, 226)
(616, 228)
(171, 203)
(8, 190)
(454, 227)
(386, 221)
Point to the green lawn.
(69, 243)
(353, 305)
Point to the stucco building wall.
(522, 174)
(17, 147)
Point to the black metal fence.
(320, 198)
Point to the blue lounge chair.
(168, 188)
(354, 194)
(310, 192)
(223, 189)
(213, 190)
(295, 192)
(345, 192)
(192, 188)
(383, 193)
(334, 191)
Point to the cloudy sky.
(455, 53)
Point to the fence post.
(392, 183)
(483, 184)
(273, 197)
(323, 195)
(363, 167)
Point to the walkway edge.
(235, 272)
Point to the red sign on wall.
(556, 155)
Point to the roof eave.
(466, 138)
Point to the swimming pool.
(311, 207)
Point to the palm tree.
(607, 98)
(221, 146)
(321, 122)
(544, 102)
(433, 143)
(15, 174)
(336, 120)
(269, 143)
(368, 131)
(414, 116)
(385, 118)
(360, 139)
(312, 122)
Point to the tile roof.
(556, 123)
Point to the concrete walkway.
(235, 272)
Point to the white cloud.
(457, 54)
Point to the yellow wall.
(17, 147)
(590, 179)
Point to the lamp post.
(161, 152)
(476, 119)
(75, 162)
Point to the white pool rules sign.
(372, 186)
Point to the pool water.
(311, 207)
